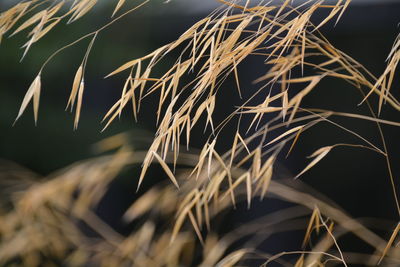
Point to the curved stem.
(92, 33)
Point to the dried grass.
(44, 218)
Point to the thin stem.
(92, 33)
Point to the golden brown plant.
(44, 222)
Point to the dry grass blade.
(182, 215)
(37, 17)
(75, 87)
(166, 169)
(80, 9)
(126, 66)
(314, 223)
(48, 28)
(232, 259)
(36, 99)
(317, 155)
(195, 226)
(390, 242)
(33, 92)
(142, 205)
(288, 132)
(79, 103)
(118, 7)
(300, 262)
(293, 143)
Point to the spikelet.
(33, 92)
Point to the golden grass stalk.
(213, 49)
